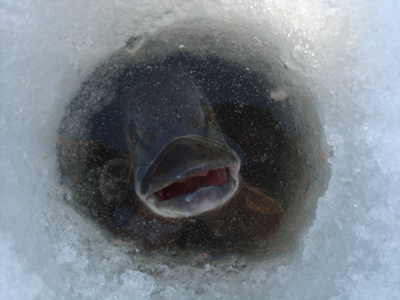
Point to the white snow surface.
(348, 52)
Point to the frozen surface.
(347, 51)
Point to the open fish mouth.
(190, 176)
(193, 182)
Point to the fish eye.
(211, 115)
(211, 119)
(131, 133)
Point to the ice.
(347, 51)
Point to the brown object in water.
(250, 216)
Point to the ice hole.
(268, 113)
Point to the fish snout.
(191, 175)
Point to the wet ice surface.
(347, 51)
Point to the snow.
(347, 52)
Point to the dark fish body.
(184, 166)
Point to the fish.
(184, 165)
(184, 170)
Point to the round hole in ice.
(264, 108)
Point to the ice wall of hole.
(259, 103)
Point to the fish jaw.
(192, 175)
(199, 201)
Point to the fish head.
(184, 165)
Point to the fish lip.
(196, 202)
(206, 198)
(149, 185)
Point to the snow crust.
(348, 54)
